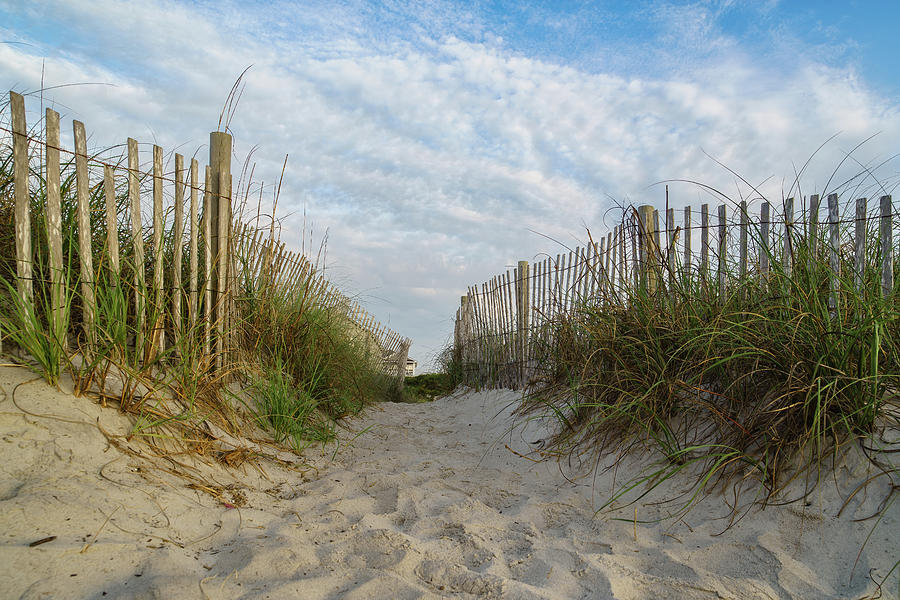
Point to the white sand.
(426, 502)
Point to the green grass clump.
(450, 363)
(38, 331)
(317, 366)
(303, 363)
(752, 389)
(427, 387)
(292, 412)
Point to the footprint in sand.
(455, 578)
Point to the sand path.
(421, 501)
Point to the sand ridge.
(438, 500)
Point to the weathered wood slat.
(85, 252)
(657, 255)
(508, 288)
(636, 249)
(208, 313)
(833, 252)
(744, 225)
(261, 255)
(112, 225)
(194, 248)
(588, 260)
(178, 248)
(647, 265)
(622, 258)
(540, 291)
(595, 266)
(607, 257)
(557, 284)
(474, 333)
(859, 245)
(687, 246)
(221, 300)
(137, 237)
(219, 162)
(255, 253)
(670, 248)
(159, 332)
(813, 235)
(887, 247)
(493, 311)
(24, 258)
(534, 309)
(787, 250)
(723, 245)
(764, 249)
(704, 245)
(54, 232)
(524, 316)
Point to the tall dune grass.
(751, 390)
(296, 367)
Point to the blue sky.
(432, 139)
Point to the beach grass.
(428, 387)
(749, 391)
(296, 366)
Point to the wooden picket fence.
(185, 293)
(503, 325)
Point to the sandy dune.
(421, 501)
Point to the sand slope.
(421, 501)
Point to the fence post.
(478, 328)
(466, 353)
(194, 248)
(670, 249)
(112, 224)
(221, 265)
(887, 248)
(687, 248)
(460, 329)
(859, 262)
(764, 245)
(84, 234)
(177, 248)
(834, 258)
(158, 337)
(59, 328)
(743, 247)
(813, 234)
(523, 317)
(137, 236)
(609, 260)
(612, 259)
(723, 239)
(208, 285)
(704, 246)
(591, 257)
(657, 249)
(509, 340)
(601, 273)
(402, 356)
(23, 204)
(646, 233)
(623, 265)
(633, 227)
(787, 251)
(219, 217)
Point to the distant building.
(411, 367)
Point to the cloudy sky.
(439, 142)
